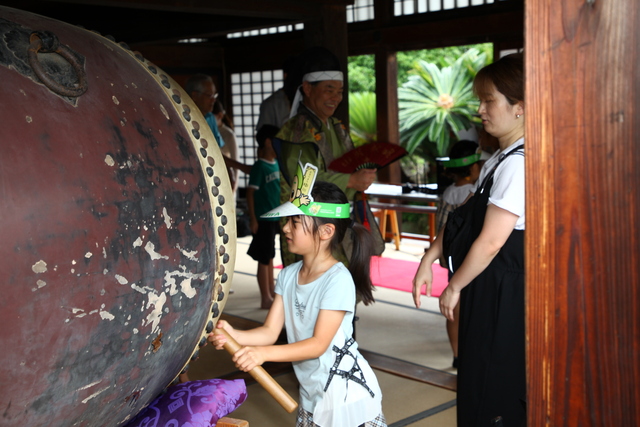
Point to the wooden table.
(398, 203)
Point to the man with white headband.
(318, 137)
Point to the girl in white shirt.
(315, 300)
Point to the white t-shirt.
(349, 400)
(507, 191)
(455, 195)
(274, 110)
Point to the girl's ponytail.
(360, 262)
(362, 242)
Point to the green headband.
(462, 161)
(302, 203)
(319, 209)
(326, 210)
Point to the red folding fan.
(374, 155)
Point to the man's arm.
(253, 220)
(230, 163)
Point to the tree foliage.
(442, 57)
(438, 101)
(362, 76)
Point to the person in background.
(263, 195)
(487, 142)
(489, 283)
(318, 137)
(275, 109)
(463, 167)
(230, 149)
(202, 90)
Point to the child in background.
(315, 301)
(463, 167)
(263, 195)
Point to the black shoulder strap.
(500, 159)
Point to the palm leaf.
(362, 117)
(438, 101)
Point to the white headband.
(320, 76)
(316, 76)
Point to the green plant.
(362, 76)
(361, 68)
(442, 57)
(437, 102)
(362, 117)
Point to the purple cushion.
(193, 404)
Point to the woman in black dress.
(490, 281)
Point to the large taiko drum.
(117, 226)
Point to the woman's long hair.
(363, 243)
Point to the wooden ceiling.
(165, 21)
(154, 27)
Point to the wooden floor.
(407, 348)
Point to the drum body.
(117, 241)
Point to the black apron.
(491, 373)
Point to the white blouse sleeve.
(508, 187)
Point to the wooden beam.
(188, 58)
(582, 242)
(387, 108)
(386, 66)
(260, 54)
(410, 370)
(290, 9)
(152, 25)
(410, 34)
(168, 28)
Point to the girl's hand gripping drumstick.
(261, 376)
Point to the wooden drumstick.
(261, 376)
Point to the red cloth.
(398, 274)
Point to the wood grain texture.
(232, 422)
(583, 239)
(410, 370)
(387, 108)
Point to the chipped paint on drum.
(118, 243)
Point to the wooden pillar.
(329, 29)
(583, 212)
(386, 90)
(387, 108)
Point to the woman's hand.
(448, 301)
(424, 276)
(219, 340)
(497, 227)
(248, 358)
